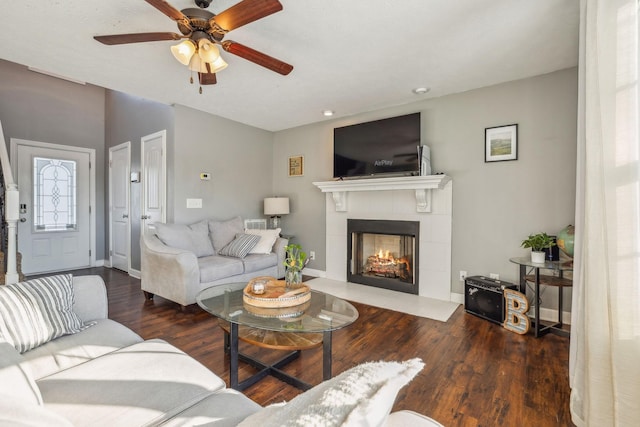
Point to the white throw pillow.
(360, 396)
(37, 311)
(267, 239)
(193, 238)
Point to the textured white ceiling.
(348, 56)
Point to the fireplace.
(425, 199)
(384, 254)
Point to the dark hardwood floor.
(476, 373)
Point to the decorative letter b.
(516, 307)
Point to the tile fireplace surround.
(427, 199)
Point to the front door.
(54, 233)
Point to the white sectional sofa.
(104, 374)
(178, 261)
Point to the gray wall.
(237, 156)
(46, 109)
(495, 205)
(197, 142)
(129, 118)
(42, 108)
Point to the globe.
(564, 239)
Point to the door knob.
(23, 219)
(125, 216)
(145, 217)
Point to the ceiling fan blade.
(245, 12)
(168, 10)
(207, 78)
(136, 38)
(257, 57)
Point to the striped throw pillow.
(37, 311)
(240, 246)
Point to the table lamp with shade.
(276, 207)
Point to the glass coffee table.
(297, 328)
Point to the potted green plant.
(538, 243)
(295, 260)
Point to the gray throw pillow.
(223, 232)
(193, 238)
(240, 246)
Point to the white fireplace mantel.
(421, 184)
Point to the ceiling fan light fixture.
(208, 51)
(218, 65)
(184, 51)
(197, 64)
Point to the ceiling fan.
(203, 31)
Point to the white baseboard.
(551, 315)
(458, 298)
(314, 273)
(134, 273)
(102, 263)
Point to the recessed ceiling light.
(421, 90)
(327, 113)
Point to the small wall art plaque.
(296, 166)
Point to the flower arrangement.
(295, 260)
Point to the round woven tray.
(284, 313)
(276, 294)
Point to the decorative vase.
(293, 278)
(537, 257)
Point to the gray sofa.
(178, 261)
(106, 375)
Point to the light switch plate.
(194, 203)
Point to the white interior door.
(154, 188)
(120, 225)
(54, 232)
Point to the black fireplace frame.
(381, 226)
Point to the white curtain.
(605, 337)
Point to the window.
(54, 194)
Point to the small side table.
(540, 279)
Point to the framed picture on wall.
(296, 166)
(501, 143)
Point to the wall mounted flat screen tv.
(380, 147)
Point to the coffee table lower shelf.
(293, 341)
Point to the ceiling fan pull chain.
(200, 90)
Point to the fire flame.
(383, 260)
(386, 256)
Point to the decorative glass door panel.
(54, 194)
